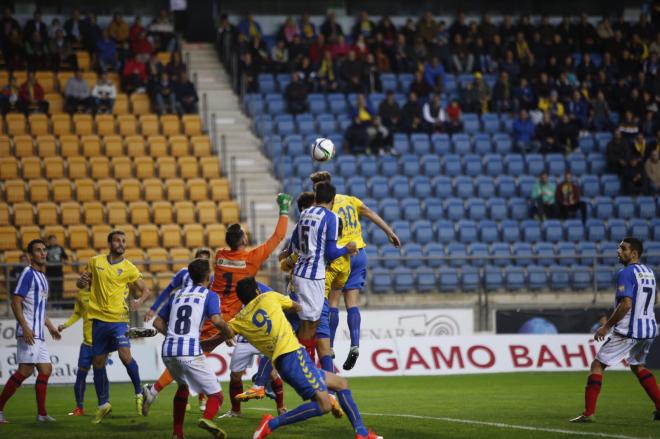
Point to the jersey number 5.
(260, 318)
(304, 239)
(182, 323)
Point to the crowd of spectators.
(550, 200)
(131, 51)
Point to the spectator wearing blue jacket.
(106, 53)
(249, 28)
(434, 74)
(578, 109)
(523, 132)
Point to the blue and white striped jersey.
(180, 280)
(637, 281)
(32, 286)
(315, 241)
(185, 312)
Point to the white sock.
(153, 391)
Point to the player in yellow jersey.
(85, 357)
(109, 277)
(263, 323)
(350, 210)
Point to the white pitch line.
(495, 424)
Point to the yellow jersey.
(348, 208)
(263, 323)
(80, 311)
(109, 289)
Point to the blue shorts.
(292, 317)
(358, 275)
(323, 329)
(108, 337)
(85, 356)
(298, 370)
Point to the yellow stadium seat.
(38, 124)
(71, 213)
(46, 80)
(91, 145)
(170, 124)
(157, 146)
(215, 235)
(210, 168)
(28, 233)
(113, 146)
(99, 167)
(127, 125)
(15, 124)
(4, 77)
(54, 167)
(171, 234)
(61, 124)
(117, 213)
(114, 78)
(188, 167)
(69, 285)
(5, 145)
(149, 236)
(15, 191)
(207, 212)
(85, 190)
(30, 167)
(107, 189)
(23, 214)
(105, 124)
(100, 236)
(130, 233)
(229, 212)
(179, 146)
(148, 278)
(69, 145)
(162, 212)
(91, 78)
(153, 189)
(122, 167)
(93, 213)
(57, 231)
(130, 190)
(55, 103)
(23, 146)
(197, 189)
(4, 214)
(163, 279)
(83, 256)
(201, 146)
(62, 190)
(144, 167)
(46, 146)
(84, 124)
(8, 168)
(140, 213)
(21, 76)
(78, 237)
(149, 125)
(180, 257)
(77, 167)
(140, 103)
(135, 146)
(137, 257)
(121, 104)
(39, 190)
(176, 189)
(192, 125)
(219, 189)
(166, 167)
(193, 235)
(164, 57)
(8, 239)
(84, 61)
(185, 212)
(47, 214)
(158, 258)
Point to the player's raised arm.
(380, 222)
(262, 252)
(161, 325)
(85, 280)
(145, 293)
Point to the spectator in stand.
(104, 94)
(434, 115)
(136, 29)
(371, 79)
(389, 112)
(552, 105)
(352, 72)
(75, 29)
(175, 66)
(381, 140)
(36, 25)
(106, 53)
(9, 96)
(77, 94)
(249, 73)
(288, 31)
(524, 95)
(296, 95)
(364, 26)
(32, 97)
(259, 52)
(454, 122)
(578, 110)
(616, 154)
(545, 135)
(543, 198)
(360, 47)
(14, 53)
(307, 29)
(62, 54)
(154, 69)
(403, 55)
(462, 58)
(634, 181)
(93, 33)
(250, 28)
(55, 25)
(307, 74)
(36, 50)
(387, 29)
(56, 256)
(523, 133)
(134, 75)
(649, 125)
(17, 270)
(340, 49)
(434, 74)
(279, 54)
(412, 119)
(600, 112)
(186, 94)
(419, 86)
(330, 29)
(427, 28)
(482, 93)
(568, 199)
(652, 171)
(629, 125)
(164, 98)
(119, 32)
(141, 45)
(567, 134)
(503, 94)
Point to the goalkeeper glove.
(284, 201)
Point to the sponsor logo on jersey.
(230, 263)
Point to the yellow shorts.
(337, 273)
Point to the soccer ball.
(323, 149)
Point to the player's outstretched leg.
(150, 391)
(12, 385)
(354, 321)
(333, 319)
(179, 410)
(345, 397)
(213, 403)
(647, 381)
(261, 378)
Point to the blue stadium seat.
(263, 125)
(605, 276)
(401, 144)
(609, 250)
(514, 278)
(595, 229)
(411, 208)
(470, 278)
(410, 165)
(485, 187)
(503, 145)
(462, 143)
(388, 81)
(488, 231)
(434, 252)
(368, 166)
(381, 280)
(523, 253)
(471, 124)
(555, 165)
(616, 229)
(602, 139)
(478, 250)
(399, 187)
(506, 186)
(433, 209)
(639, 228)
(375, 99)
(373, 256)
(452, 165)
(514, 164)
(376, 235)
(445, 231)
(282, 79)
(525, 185)
(303, 166)
(646, 207)
(535, 164)
(423, 231)
(284, 167)
(587, 252)
(412, 251)
(266, 83)
(390, 257)
(347, 165)
(493, 278)
(403, 231)
(603, 207)
(292, 185)
(325, 123)
(328, 166)
(317, 105)
(337, 103)
(405, 79)
(463, 186)
(611, 185)
(518, 208)
(493, 165)
(652, 248)
(357, 187)
(294, 145)
(457, 253)
(497, 209)
(577, 163)
(447, 279)
(545, 253)
(586, 144)
(254, 105)
(389, 165)
(275, 105)
(482, 144)
(306, 124)
(421, 187)
(590, 186)
(285, 127)
(537, 278)
(510, 231)
(339, 183)
(655, 229)
(490, 122)
(559, 277)
(389, 209)
(454, 209)
(467, 231)
(441, 144)
(421, 144)
(431, 165)
(597, 164)
(574, 230)
(502, 252)
(552, 231)
(426, 281)
(625, 208)
(379, 187)
(343, 121)
(566, 249)
(472, 165)
(476, 209)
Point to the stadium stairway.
(248, 169)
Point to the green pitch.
(533, 405)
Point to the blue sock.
(345, 398)
(79, 387)
(134, 373)
(354, 321)
(300, 413)
(101, 384)
(333, 320)
(326, 363)
(263, 372)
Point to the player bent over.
(633, 329)
(262, 323)
(28, 303)
(180, 321)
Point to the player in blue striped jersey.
(28, 302)
(630, 330)
(180, 320)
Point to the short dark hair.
(113, 233)
(305, 200)
(234, 235)
(34, 242)
(203, 251)
(324, 193)
(198, 270)
(51, 236)
(635, 244)
(321, 176)
(247, 289)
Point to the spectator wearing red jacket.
(31, 96)
(141, 45)
(568, 199)
(135, 75)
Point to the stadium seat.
(616, 229)
(93, 213)
(8, 238)
(399, 187)
(107, 189)
(229, 212)
(457, 254)
(158, 260)
(46, 146)
(452, 165)
(421, 187)
(448, 279)
(122, 167)
(379, 188)
(501, 253)
(113, 146)
(140, 103)
(625, 208)
(639, 228)
(510, 231)
(389, 209)
(552, 231)
(391, 257)
(16, 125)
(514, 278)
(91, 146)
(30, 167)
(646, 207)
(587, 252)
(105, 124)
(425, 280)
(70, 212)
(23, 146)
(99, 167)
(84, 124)
(559, 277)
(179, 146)
(506, 186)
(463, 187)
(28, 233)
(523, 253)
(485, 187)
(99, 235)
(603, 208)
(537, 278)
(555, 165)
(525, 185)
(604, 277)
(479, 253)
(149, 236)
(531, 230)
(15, 191)
(180, 257)
(470, 279)
(574, 230)
(192, 124)
(493, 278)
(493, 165)
(497, 209)
(544, 253)
(78, 237)
(442, 186)
(476, 209)
(535, 164)
(472, 165)
(467, 231)
(166, 167)
(454, 209)
(381, 280)
(611, 185)
(488, 231)
(566, 253)
(581, 277)
(595, 229)
(432, 208)
(206, 212)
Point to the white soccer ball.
(323, 149)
